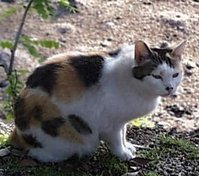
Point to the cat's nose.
(169, 89)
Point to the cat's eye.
(157, 76)
(175, 75)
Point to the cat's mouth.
(172, 95)
(166, 95)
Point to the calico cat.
(72, 102)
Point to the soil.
(103, 25)
(106, 25)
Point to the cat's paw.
(125, 154)
(131, 147)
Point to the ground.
(106, 25)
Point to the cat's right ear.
(142, 52)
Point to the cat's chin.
(169, 95)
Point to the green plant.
(67, 5)
(168, 148)
(14, 87)
(44, 9)
(182, 145)
(32, 45)
(151, 173)
(143, 122)
(3, 140)
(6, 44)
(8, 13)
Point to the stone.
(4, 152)
(105, 43)
(147, 2)
(190, 64)
(62, 30)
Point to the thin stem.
(17, 38)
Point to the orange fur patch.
(33, 98)
(68, 86)
(16, 140)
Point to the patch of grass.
(171, 145)
(8, 13)
(103, 163)
(167, 152)
(3, 140)
(151, 174)
(168, 148)
(142, 122)
(189, 148)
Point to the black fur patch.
(89, 68)
(79, 125)
(51, 126)
(140, 72)
(21, 121)
(29, 139)
(44, 77)
(157, 57)
(37, 112)
(114, 53)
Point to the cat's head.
(159, 69)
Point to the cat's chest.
(130, 106)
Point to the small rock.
(147, 2)
(105, 43)
(174, 23)
(178, 111)
(175, 19)
(62, 30)
(118, 18)
(109, 39)
(187, 72)
(3, 84)
(4, 152)
(110, 24)
(4, 60)
(131, 174)
(190, 65)
(9, 1)
(63, 40)
(164, 45)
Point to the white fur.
(107, 107)
(158, 86)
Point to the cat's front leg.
(115, 142)
(126, 143)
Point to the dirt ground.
(106, 25)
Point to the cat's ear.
(178, 50)
(142, 52)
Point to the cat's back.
(66, 77)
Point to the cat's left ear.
(178, 51)
(142, 52)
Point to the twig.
(17, 38)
